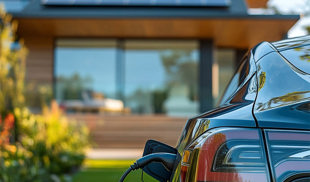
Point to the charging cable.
(167, 159)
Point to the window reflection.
(85, 69)
(162, 77)
(135, 76)
(299, 57)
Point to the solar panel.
(208, 3)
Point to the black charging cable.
(167, 159)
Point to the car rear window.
(237, 79)
(299, 57)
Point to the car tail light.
(226, 155)
(289, 152)
(185, 164)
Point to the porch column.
(205, 74)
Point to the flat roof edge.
(91, 15)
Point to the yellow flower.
(6, 163)
(11, 148)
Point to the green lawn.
(108, 170)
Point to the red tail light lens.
(228, 155)
(239, 155)
(289, 153)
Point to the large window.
(162, 77)
(142, 76)
(83, 66)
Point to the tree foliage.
(12, 65)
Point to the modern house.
(167, 57)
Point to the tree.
(294, 7)
(182, 69)
(12, 69)
(72, 87)
(12, 65)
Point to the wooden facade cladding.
(39, 62)
(233, 32)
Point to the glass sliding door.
(161, 77)
(136, 76)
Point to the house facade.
(167, 57)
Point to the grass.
(108, 171)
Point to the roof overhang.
(237, 32)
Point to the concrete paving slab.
(114, 153)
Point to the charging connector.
(167, 159)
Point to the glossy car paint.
(283, 90)
(272, 93)
(289, 153)
(236, 111)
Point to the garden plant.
(44, 147)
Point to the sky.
(301, 7)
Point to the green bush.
(51, 148)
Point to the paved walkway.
(114, 153)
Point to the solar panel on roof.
(211, 3)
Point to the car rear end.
(277, 147)
(260, 131)
(247, 154)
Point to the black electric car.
(260, 131)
